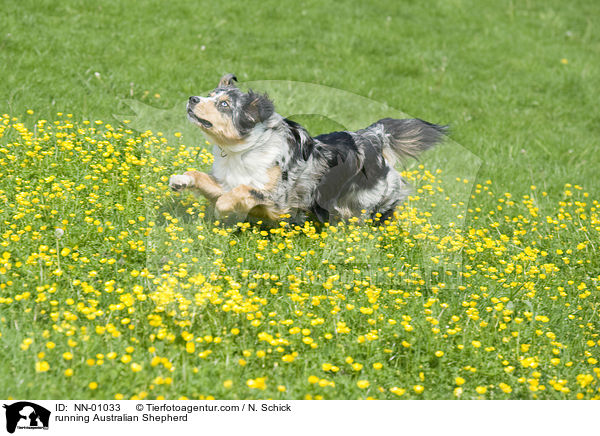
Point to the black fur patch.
(322, 215)
(374, 166)
(349, 169)
(301, 142)
(338, 144)
(336, 182)
(257, 194)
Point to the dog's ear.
(259, 107)
(256, 108)
(227, 80)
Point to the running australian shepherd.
(267, 166)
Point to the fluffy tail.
(410, 137)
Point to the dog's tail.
(409, 137)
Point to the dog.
(267, 166)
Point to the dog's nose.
(194, 99)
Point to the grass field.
(111, 286)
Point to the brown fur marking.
(206, 184)
(265, 212)
(244, 199)
(274, 174)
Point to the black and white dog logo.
(26, 415)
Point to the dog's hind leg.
(245, 200)
(382, 215)
(396, 192)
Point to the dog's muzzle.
(192, 102)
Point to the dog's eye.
(223, 104)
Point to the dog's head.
(227, 115)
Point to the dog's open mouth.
(205, 123)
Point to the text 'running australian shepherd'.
(267, 166)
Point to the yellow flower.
(363, 384)
(418, 389)
(258, 383)
(397, 391)
(287, 358)
(42, 366)
(93, 385)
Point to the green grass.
(516, 82)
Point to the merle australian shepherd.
(267, 166)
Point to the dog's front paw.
(178, 182)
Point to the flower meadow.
(114, 287)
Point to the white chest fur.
(248, 163)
